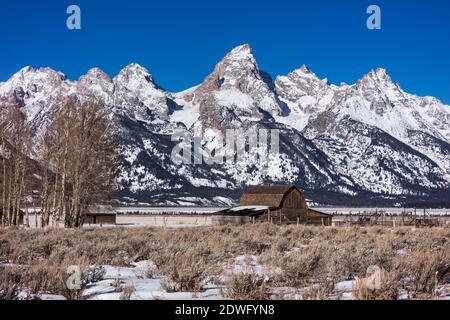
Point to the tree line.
(63, 169)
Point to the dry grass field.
(412, 261)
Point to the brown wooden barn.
(281, 204)
(100, 214)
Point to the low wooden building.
(100, 215)
(281, 204)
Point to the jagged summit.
(244, 51)
(304, 69)
(97, 73)
(135, 68)
(30, 72)
(378, 75)
(239, 86)
(237, 64)
(26, 69)
(134, 75)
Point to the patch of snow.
(144, 288)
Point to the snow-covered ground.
(143, 288)
(137, 283)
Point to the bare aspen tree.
(76, 163)
(4, 170)
(46, 148)
(83, 160)
(16, 149)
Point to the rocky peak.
(137, 95)
(300, 83)
(244, 51)
(29, 81)
(29, 74)
(96, 82)
(304, 69)
(97, 73)
(135, 76)
(377, 88)
(237, 68)
(376, 77)
(237, 84)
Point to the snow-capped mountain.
(236, 91)
(365, 143)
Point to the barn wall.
(294, 200)
(233, 220)
(292, 214)
(100, 219)
(327, 221)
(106, 219)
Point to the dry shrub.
(322, 290)
(351, 258)
(298, 267)
(10, 284)
(282, 245)
(188, 257)
(41, 278)
(95, 274)
(387, 288)
(426, 269)
(151, 272)
(100, 246)
(186, 271)
(127, 292)
(52, 278)
(169, 286)
(245, 286)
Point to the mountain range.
(368, 143)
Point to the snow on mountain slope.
(97, 83)
(37, 91)
(236, 88)
(137, 91)
(376, 101)
(305, 94)
(377, 162)
(369, 142)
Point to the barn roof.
(317, 214)
(244, 211)
(271, 196)
(101, 209)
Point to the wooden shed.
(275, 204)
(100, 214)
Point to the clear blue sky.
(180, 41)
